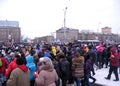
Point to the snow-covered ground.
(101, 74)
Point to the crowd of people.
(56, 64)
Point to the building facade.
(68, 34)
(106, 30)
(47, 39)
(106, 38)
(87, 36)
(9, 31)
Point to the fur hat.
(48, 64)
(46, 60)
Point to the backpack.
(57, 68)
(64, 67)
(0, 62)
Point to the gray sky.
(42, 17)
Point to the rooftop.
(9, 23)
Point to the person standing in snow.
(32, 67)
(19, 76)
(119, 57)
(114, 63)
(47, 75)
(100, 55)
(78, 68)
(87, 69)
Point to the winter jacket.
(88, 66)
(10, 57)
(54, 50)
(19, 77)
(46, 77)
(114, 60)
(47, 54)
(108, 53)
(119, 57)
(92, 55)
(78, 66)
(64, 66)
(57, 68)
(100, 48)
(11, 67)
(4, 65)
(31, 65)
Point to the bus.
(88, 42)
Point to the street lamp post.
(98, 27)
(65, 24)
(98, 30)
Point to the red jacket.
(4, 65)
(11, 67)
(114, 60)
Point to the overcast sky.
(42, 17)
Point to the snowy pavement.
(100, 76)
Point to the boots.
(116, 80)
(94, 80)
(107, 78)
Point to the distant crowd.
(56, 64)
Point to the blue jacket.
(47, 54)
(31, 65)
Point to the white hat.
(47, 60)
(119, 46)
